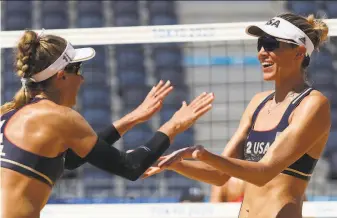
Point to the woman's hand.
(187, 115)
(153, 101)
(185, 153)
(169, 161)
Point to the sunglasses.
(271, 43)
(74, 68)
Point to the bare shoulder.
(70, 123)
(54, 111)
(318, 96)
(314, 105)
(70, 118)
(56, 115)
(315, 100)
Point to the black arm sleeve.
(110, 135)
(128, 165)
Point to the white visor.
(70, 55)
(280, 28)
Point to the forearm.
(252, 172)
(128, 165)
(126, 123)
(200, 171)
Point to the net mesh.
(196, 58)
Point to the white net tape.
(151, 34)
(186, 210)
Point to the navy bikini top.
(45, 169)
(258, 142)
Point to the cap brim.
(255, 31)
(259, 31)
(83, 54)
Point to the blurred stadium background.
(120, 75)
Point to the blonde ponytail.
(21, 98)
(320, 27)
(33, 54)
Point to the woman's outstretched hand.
(153, 102)
(187, 115)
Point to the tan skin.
(231, 191)
(307, 133)
(23, 196)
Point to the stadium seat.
(161, 7)
(322, 77)
(9, 77)
(334, 119)
(175, 75)
(167, 111)
(167, 58)
(183, 140)
(18, 7)
(96, 182)
(321, 59)
(90, 20)
(331, 9)
(175, 98)
(18, 21)
(126, 20)
(54, 7)
(8, 59)
(302, 7)
(141, 188)
(129, 77)
(166, 114)
(96, 97)
(129, 58)
(8, 92)
(88, 7)
(134, 95)
(55, 21)
(124, 7)
(330, 151)
(137, 136)
(170, 45)
(162, 19)
(95, 76)
(91, 172)
(177, 184)
(96, 116)
(99, 61)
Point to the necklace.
(269, 109)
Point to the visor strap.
(65, 59)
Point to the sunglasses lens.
(268, 43)
(74, 68)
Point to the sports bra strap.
(294, 103)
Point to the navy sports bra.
(45, 169)
(258, 142)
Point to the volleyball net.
(216, 57)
